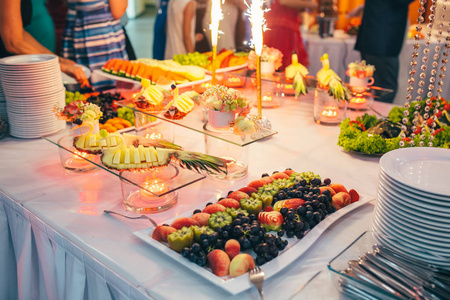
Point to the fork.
(140, 217)
(257, 278)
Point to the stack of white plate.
(3, 114)
(32, 86)
(413, 209)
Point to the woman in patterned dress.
(93, 35)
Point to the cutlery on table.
(128, 217)
(257, 278)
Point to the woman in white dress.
(180, 30)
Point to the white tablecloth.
(57, 244)
(341, 52)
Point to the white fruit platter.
(235, 285)
(124, 79)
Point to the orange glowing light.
(234, 82)
(201, 88)
(153, 186)
(88, 210)
(266, 98)
(358, 100)
(154, 136)
(78, 156)
(330, 111)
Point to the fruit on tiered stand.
(328, 79)
(250, 226)
(180, 105)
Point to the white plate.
(29, 59)
(167, 87)
(412, 215)
(69, 80)
(432, 198)
(423, 238)
(413, 243)
(236, 285)
(408, 249)
(413, 203)
(412, 224)
(228, 69)
(423, 168)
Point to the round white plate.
(424, 238)
(432, 198)
(399, 217)
(423, 168)
(438, 251)
(413, 203)
(29, 59)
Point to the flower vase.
(221, 120)
(267, 67)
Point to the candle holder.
(147, 192)
(238, 155)
(74, 161)
(360, 102)
(236, 79)
(151, 127)
(327, 110)
(270, 90)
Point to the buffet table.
(341, 52)
(57, 243)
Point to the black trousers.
(385, 75)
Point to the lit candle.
(201, 88)
(289, 89)
(80, 156)
(152, 187)
(266, 98)
(234, 81)
(154, 136)
(358, 102)
(330, 111)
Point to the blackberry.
(197, 211)
(327, 181)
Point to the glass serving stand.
(195, 121)
(183, 177)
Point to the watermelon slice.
(129, 69)
(117, 67)
(134, 70)
(108, 65)
(141, 71)
(123, 68)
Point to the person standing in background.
(41, 26)
(232, 11)
(283, 21)
(380, 40)
(159, 33)
(93, 35)
(180, 28)
(14, 16)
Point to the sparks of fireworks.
(216, 16)
(256, 14)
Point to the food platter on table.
(228, 69)
(234, 285)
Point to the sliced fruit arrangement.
(370, 135)
(297, 73)
(156, 71)
(250, 225)
(224, 59)
(180, 105)
(328, 79)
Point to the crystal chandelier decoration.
(436, 80)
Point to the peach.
(288, 172)
(213, 208)
(231, 203)
(280, 175)
(184, 222)
(337, 187)
(354, 195)
(248, 190)
(238, 195)
(323, 188)
(256, 184)
(341, 200)
(240, 264)
(160, 233)
(267, 180)
(201, 218)
(219, 262)
(232, 248)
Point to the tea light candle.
(153, 186)
(266, 98)
(330, 112)
(201, 88)
(154, 136)
(234, 81)
(358, 102)
(289, 89)
(80, 156)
